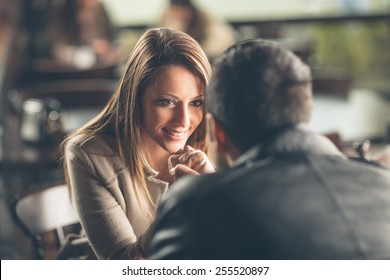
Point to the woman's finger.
(173, 160)
(190, 155)
(181, 170)
(188, 161)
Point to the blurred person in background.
(213, 34)
(290, 193)
(80, 33)
(118, 165)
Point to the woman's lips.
(175, 135)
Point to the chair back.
(45, 210)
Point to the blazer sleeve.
(104, 220)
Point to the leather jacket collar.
(296, 139)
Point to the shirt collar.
(152, 173)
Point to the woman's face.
(172, 108)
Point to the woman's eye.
(165, 102)
(197, 103)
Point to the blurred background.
(60, 61)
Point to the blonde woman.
(117, 164)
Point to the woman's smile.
(176, 135)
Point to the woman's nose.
(182, 116)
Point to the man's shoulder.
(195, 189)
(190, 186)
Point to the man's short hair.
(258, 87)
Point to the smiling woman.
(172, 109)
(117, 164)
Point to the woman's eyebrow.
(163, 94)
(199, 96)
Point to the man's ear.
(217, 134)
(227, 152)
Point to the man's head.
(258, 87)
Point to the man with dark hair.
(289, 193)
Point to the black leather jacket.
(298, 198)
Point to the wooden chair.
(46, 215)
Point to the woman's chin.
(174, 148)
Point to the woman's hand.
(189, 161)
(383, 157)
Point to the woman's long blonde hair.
(158, 47)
